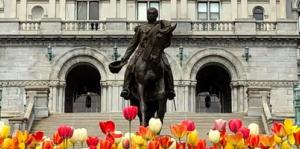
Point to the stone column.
(51, 8)
(186, 97)
(234, 9)
(10, 8)
(244, 8)
(62, 9)
(103, 96)
(273, 9)
(123, 8)
(282, 9)
(23, 9)
(240, 99)
(193, 96)
(173, 9)
(183, 8)
(109, 97)
(113, 8)
(234, 99)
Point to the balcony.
(193, 28)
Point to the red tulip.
(253, 141)
(92, 141)
(38, 136)
(165, 141)
(190, 125)
(105, 144)
(130, 112)
(235, 125)
(245, 131)
(29, 139)
(278, 129)
(107, 126)
(153, 144)
(180, 145)
(297, 138)
(47, 145)
(201, 144)
(57, 139)
(65, 131)
(220, 125)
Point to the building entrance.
(82, 92)
(213, 93)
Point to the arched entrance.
(82, 93)
(213, 89)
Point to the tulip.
(139, 141)
(126, 143)
(7, 143)
(47, 145)
(254, 129)
(253, 141)
(29, 139)
(235, 125)
(178, 130)
(278, 129)
(155, 125)
(297, 137)
(92, 141)
(57, 139)
(153, 144)
(21, 145)
(165, 141)
(22, 137)
(190, 125)
(214, 136)
(146, 133)
(286, 145)
(180, 145)
(245, 131)
(38, 136)
(105, 144)
(267, 141)
(130, 112)
(289, 129)
(192, 138)
(65, 131)
(117, 135)
(4, 130)
(236, 140)
(79, 135)
(201, 144)
(220, 125)
(107, 127)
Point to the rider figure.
(139, 40)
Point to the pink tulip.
(130, 112)
(220, 125)
(190, 125)
(235, 125)
(65, 131)
(245, 131)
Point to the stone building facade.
(237, 51)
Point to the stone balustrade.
(124, 27)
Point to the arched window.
(258, 13)
(37, 12)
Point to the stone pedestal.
(256, 95)
(40, 96)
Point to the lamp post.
(297, 103)
(246, 54)
(49, 49)
(180, 54)
(116, 55)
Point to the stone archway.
(63, 65)
(230, 63)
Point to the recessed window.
(142, 7)
(208, 10)
(258, 13)
(87, 10)
(37, 12)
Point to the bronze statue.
(148, 81)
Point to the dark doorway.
(83, 89)
(213, 89)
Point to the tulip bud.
(4, 131)
(130, 112)
(235, 125)
(193, 137)
(220, 125)
(214, 136)
(254, 129)
(190, 125)
(155, 125)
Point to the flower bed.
(284, 135)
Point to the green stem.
(129, 134)
(73, 145)
(81, 144)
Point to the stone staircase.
(204, 121)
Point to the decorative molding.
(264, 83)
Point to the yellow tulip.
(6, 143)
(120, 146)
(38, 147)
(22, 136)
(214, 136)
(21, 145)
(139, 141)
(286, 145)
(254, 129)
(4, 131)
(155, 125)
(192, 138)
(289, 130)
(277, 139)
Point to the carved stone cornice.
(267, 83)
(23, 83)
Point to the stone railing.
(125, 27)
(266, 116)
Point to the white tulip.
(254, 129)
(118, 140)
(155, 125)
(79, 135)
(214, 136)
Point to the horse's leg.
(152, 107)
(162, 109)
(142, 103)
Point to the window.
(258, 13)
(208, 11)
(142, 7)
(37, 12)
(87, 10)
